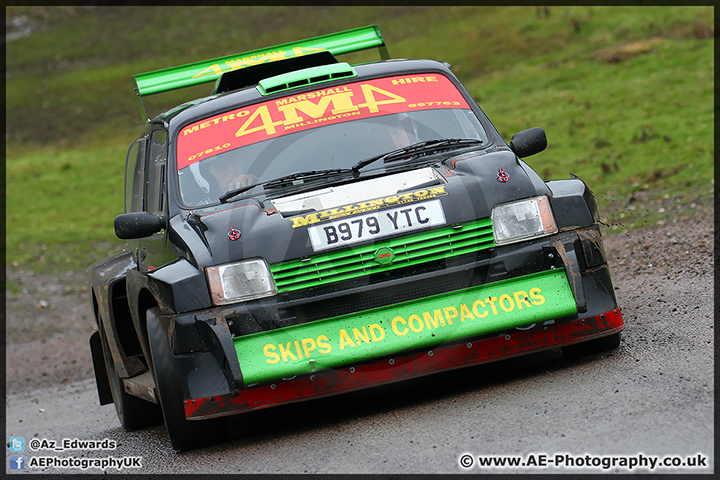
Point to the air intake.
(308, 76)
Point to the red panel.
(325, 106)
(404, 367)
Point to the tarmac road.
(649, 399)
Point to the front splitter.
(405, 367)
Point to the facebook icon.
(17, 462)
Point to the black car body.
(381, 230)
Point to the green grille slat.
(409, 250)
(336, 257)
(360, 253)
(437, 245)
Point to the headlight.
(521, 220)
(241, 281)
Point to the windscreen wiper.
(287, 180)
(237, 191)
(418, 149)
(302, 177)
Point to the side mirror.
(137, 225)
(528, 142)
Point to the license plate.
(376, 225)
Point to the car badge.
(503, 176)
(234, 234)
(384, 256)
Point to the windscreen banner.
(294, 113)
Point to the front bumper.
(405, 367)
(211, 347)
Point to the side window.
(135, 176)
(156, 171)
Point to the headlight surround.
(240, 281)
(522, 220)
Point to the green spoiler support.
(207, 71)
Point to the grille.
(395, 293)
(409, 251)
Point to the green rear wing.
(207, 71)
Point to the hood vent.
(308, 76)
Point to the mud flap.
(101, 376)
(215, 337)
(572, 268)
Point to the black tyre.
(184, 434)
(604, 344)
(133, 412)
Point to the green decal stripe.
(421, 324)
(210, 70)
(409, 250)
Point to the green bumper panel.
(419, 324)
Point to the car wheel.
(604, 344)
(133, 412)
(184, 434)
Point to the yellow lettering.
(297, 348)
(190, 130)
(520, 298)
(372, 103)
(491, 301)
(371, 203)
(535, 294)
(465, 313)
(286, 353)
(395, 321)
(267, 124)
(434, 321)
(253, 60)
(211, 70)
(505, 298)
(363, 206)
(418, 320)
(448, 316)
(322, 342)
(302, 221)
(474, 307)
(299, 222)
(308, 346)
(305, 50)
(345, 339)
(342, 103)
(364, 336)
(272, 356)
(375, 328)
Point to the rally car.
(313, 227)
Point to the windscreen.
(323, 129)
